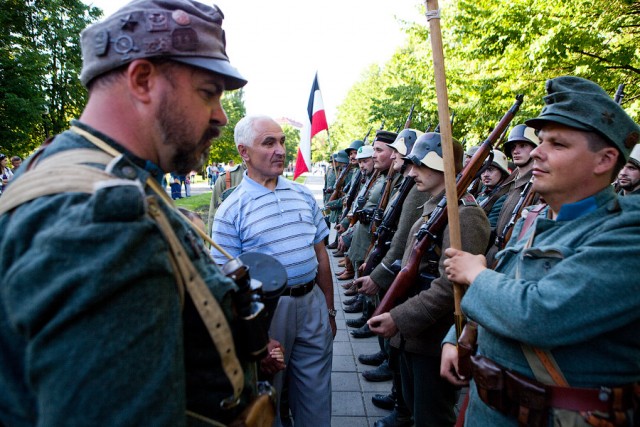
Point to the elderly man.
(111, 310)
(558, 319)
(270, 214)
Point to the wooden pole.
(435, 33)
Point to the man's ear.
(606, 160)
(244, 153)
(141, 79)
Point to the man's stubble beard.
(175, 132)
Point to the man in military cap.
(418, 325)
(103, 284)
(226, 183)
(352, 150)
(629, 176)
(558, 319)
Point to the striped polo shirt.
(285, 223)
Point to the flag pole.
(435, 33)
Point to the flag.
(316, 122)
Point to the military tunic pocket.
(536, 263)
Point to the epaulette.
(468, 200)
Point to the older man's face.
(266, 155)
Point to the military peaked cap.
(181, 30)
(582, 104)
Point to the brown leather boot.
(348, 272)
(341, 263)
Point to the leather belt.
(300, 290)
(509, 392)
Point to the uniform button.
(129, 172)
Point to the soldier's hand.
(273, 362)
(340, 228)
(383, 325)
(361, 268)
(449, 366)
(462, 267)
(366, 285)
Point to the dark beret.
(582, 104)
(386, 136)
(181, 30)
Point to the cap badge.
(123, 45)
(101, 42)
(157, 21)
(128, 23)
(607, 117)
(181, 17)
(184, 39)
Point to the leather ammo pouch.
(509, 393)
(467, 346)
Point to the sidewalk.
(352, 394)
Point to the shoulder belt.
(67, 172)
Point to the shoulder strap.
(55, 175)
(542, 363)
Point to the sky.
(279, 45)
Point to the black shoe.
(333, 245)
(383, 401)
(381, 373)
(372, 359)
(351, 301)
(357, 323)
(356, 307)
(394, 420)
(363, 332)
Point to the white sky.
(278, 45)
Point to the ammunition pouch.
(530, 401)
(360, 202)
(467, 347)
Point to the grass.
(198, 204)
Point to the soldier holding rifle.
(418, 325)
(558, 319)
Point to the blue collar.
(578, 209)
(256, 190)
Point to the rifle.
(437, 129)
(619, 94)
(366, 137)
(526, 198)
(382, 204)
(353, 192)
(384, 232)
(427, 235)
(356, 214)
(337, 190)
(407, 123)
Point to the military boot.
(395, 419)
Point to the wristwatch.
(332, 312)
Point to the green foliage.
(39, 67)
(223, 148)
(493, 51)
(292, 138)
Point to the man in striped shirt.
(268, 213)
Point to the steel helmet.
(364, 152)
(521, 133)
(341, 157)
(405, 140)
(427, 151)
(500, 161)
(355, 145)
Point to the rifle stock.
(384, 233)
(356, 214)
(426, 236)
(337, 190)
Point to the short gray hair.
(244, 133)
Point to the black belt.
(299, 290)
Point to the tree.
(223, 148)
(40, 62)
